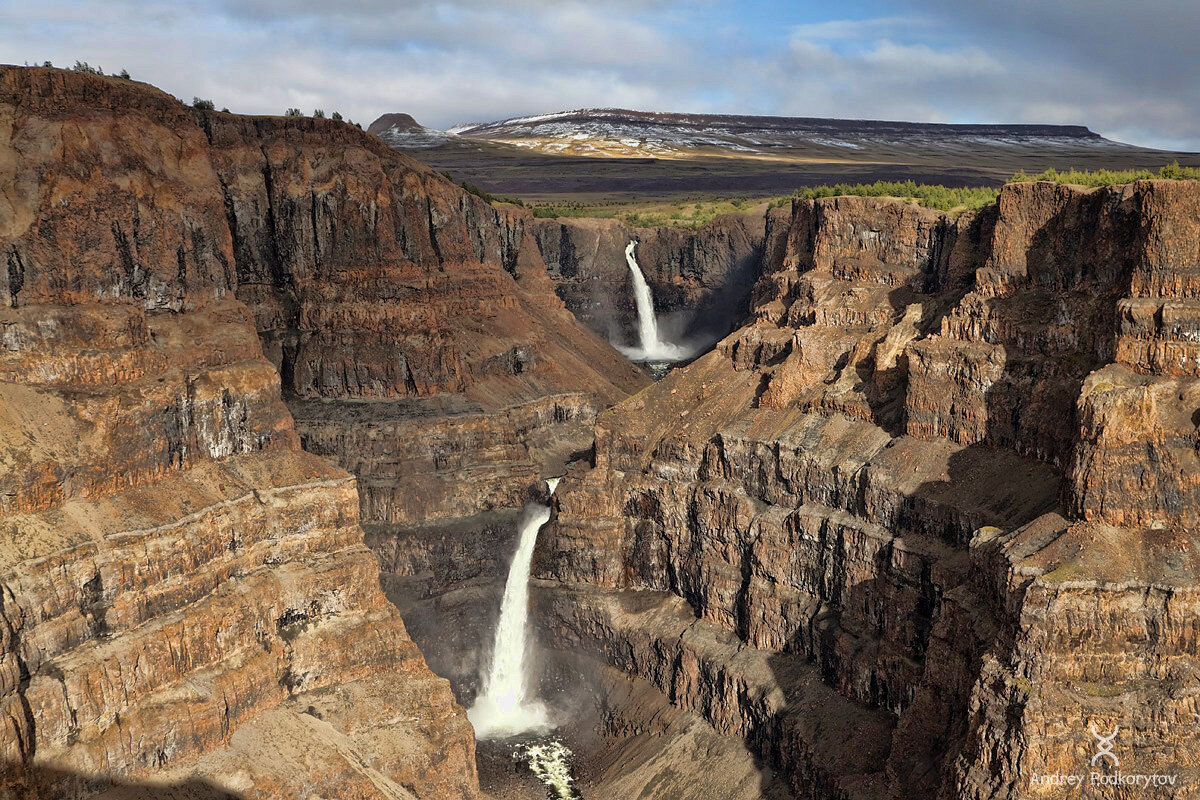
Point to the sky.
(1128, 69)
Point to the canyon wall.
(701, 278)
(419, 339)
(926, 519)
(187, 602)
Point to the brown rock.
(948, 476)
(186, 594)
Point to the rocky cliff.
(701, 278)
(187, 601)
(927, 519)
(417, 333)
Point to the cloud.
(1127, 72)
(1023, 62)
(846, 30)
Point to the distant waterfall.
(647, 321)
(652, 347)
(503, 708)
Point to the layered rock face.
(420, 343)
(186, 596)
(926, 519)
(701, 278)
(416, 330)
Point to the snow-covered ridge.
(620, 132)
(409, 137)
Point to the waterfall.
(503, 708)
(647, 322)
(652, 347)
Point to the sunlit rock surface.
(187, 602)
(929, 516)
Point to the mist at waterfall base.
(652, 347)
(504, 707)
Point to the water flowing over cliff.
(504, 707)
(651, 346)
(171, 279)
(700, 279)
(928, 516)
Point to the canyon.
(273, 396)
(188, 298)
(923, 522)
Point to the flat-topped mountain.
(620, 132)
(621, 155)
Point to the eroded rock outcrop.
(186, 596)
(418, 335)
(934, 503)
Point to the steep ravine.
(929, 516)
(187, 298)
(701, 278)
(909, 532)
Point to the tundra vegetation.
(1108, 177)
(695, 212)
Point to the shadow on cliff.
(902, 661)
(43, 783)
(727, 306)
(895, 665)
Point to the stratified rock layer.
(929, 517)
(416, 329)
(185, 596)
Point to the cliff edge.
(929, 518)
(187, 603)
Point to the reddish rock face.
(186, 593)
(372, 278)
(942, 484)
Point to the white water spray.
(652, 348)
(551, 763)
(503, 708)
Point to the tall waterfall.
(503, 709)
(652, 347)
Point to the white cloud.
(447, 61)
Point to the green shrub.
(943, 198)
(124, 75)
(319, 114)
(202, 104)
(1109, 177)
(86, 68)
(293, 112)
(336, 116)
(475, 190)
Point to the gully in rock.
(504, 709)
